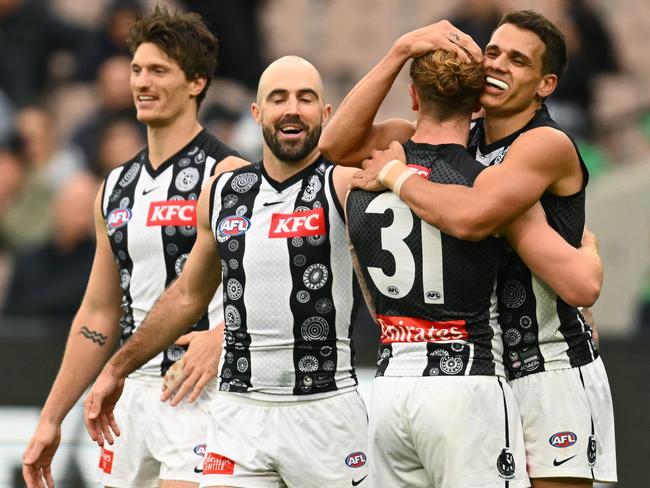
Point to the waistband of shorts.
(591, 363)
(268, 400)
(149, 381)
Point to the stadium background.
(63, 62)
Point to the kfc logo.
(298, 224)
(172, 212)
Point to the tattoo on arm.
(96, 337)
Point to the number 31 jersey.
(433, 295)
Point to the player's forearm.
(454, 209)
(578, 280)
(346, 136)
(171, 316)
(89, 345)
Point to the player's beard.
(291, 151)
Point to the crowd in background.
(66, 116)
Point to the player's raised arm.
(536, 160)
(576, 275)
(180, 306)
(350, 135)
(93, 333)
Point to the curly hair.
(183, 37)
(446, 83)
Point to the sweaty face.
(513, 67)
(161, 91)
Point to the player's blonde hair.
(445, 84)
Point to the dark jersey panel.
(416, 272)
(533, 319)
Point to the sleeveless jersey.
(434, 295)
(150, 217)
(287, 277)
(541, 332)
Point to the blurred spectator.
(120, 140)
(49, 279)
(13, 175)
(110, 39)
(477, 18)
(591, 53)
(235, 25)
(48, 165)
(30, 35)
(220, 121)
(114, 102)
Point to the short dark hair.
(183, 37)
(555, 56)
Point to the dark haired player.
(145, 218)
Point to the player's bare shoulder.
(544, 146)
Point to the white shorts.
(568, 422)
(303, 444)
(445, 432)
(157, 441)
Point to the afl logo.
(356, 460)
(118, 217)
(200, 450)
(234, 225)
(434, 295)
(393, 290)
(563, 439)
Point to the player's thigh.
(324, 442)
(394, 460)
(476, 415)
(568, 424)
(179, 438)
(240, 451)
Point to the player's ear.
(547, 85)
(327, 112)
(256, 113)
(415, 99)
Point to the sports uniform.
(288, 410)
(549, 353)
(151, 223)
(434, 299)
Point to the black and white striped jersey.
(540, 331)
(151, 222)
(287, 278)
(433, 295)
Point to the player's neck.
(501, 124)
(165, 141)
(280, 170)
(451, 131)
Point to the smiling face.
(161, 92)
(514, 71)
(290, 108)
